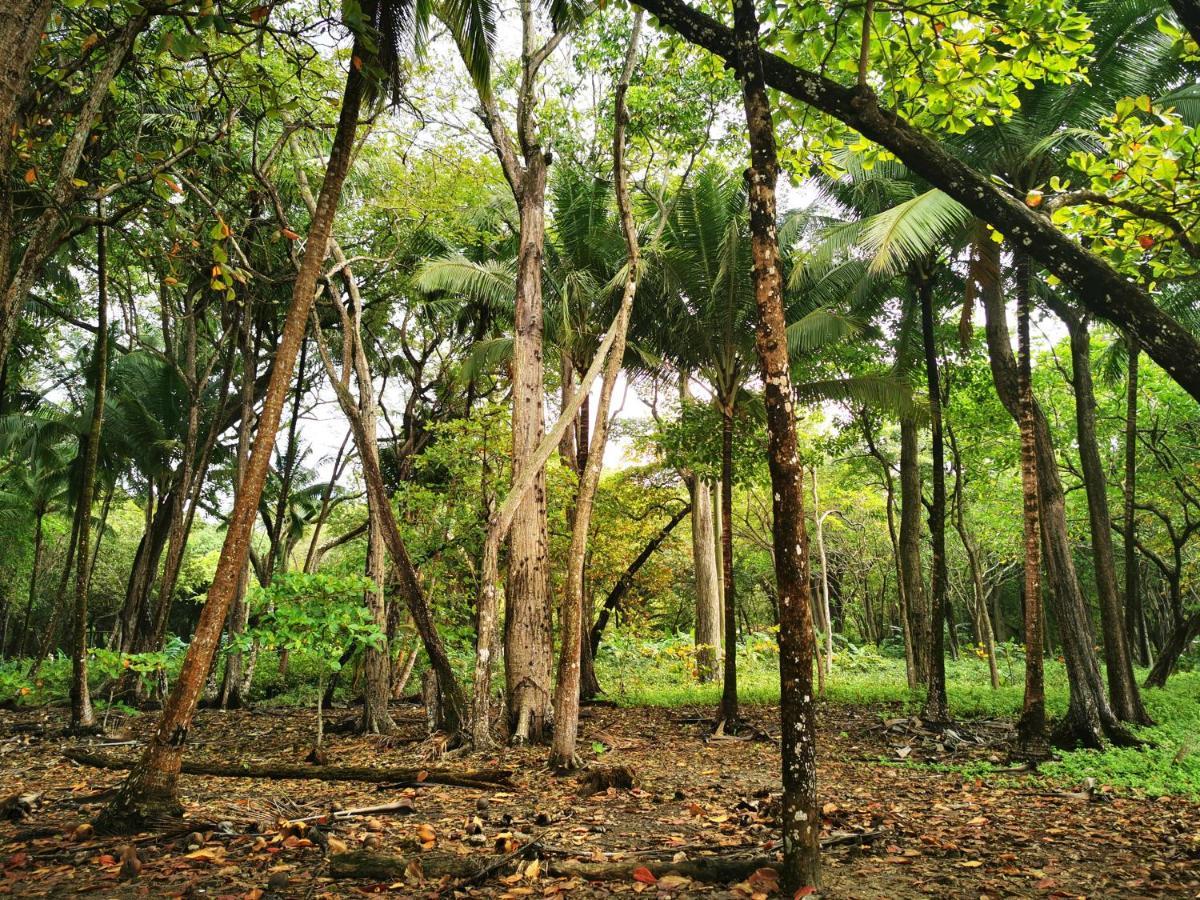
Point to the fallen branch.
(708, 869)
(482, 779)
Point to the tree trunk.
(566, 695)
(236, 668)
(528, 649)
(21, 29)
(983, 621)
(43, 234)
(81, 701)
(1134, 620)
(936, 709)
(1089, 717)
(825, 617)
(1173, 648)
(704, 564)
(729, 693)
(376, 718)
(1122, 688)
(801, 823)
(910, 551)
(35, 566)
(1031, 728)
(151, 786)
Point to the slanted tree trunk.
(566, 695)
(1122, 688)
(151, 786)
(1089, 717)
(376, 668)
(800, 820)
(236, 668)
(910, 551)
(44, 234)
(1176, 644)
(728, 712)
(81, 701)
(1134, 620)
(21, 30)
(937, 708)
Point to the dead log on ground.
(483, 779)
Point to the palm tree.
(701, 319)
(381, 30)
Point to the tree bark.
(1089, 717)
(566, 695)
(21, 29)
(800, 820)
(728, 712)
(1176, 644)
(151, 787)
(910, 551)
(43, 233)
(1031, 728)
(1122, 688)
(704, 564)
(81, 702)
(937, 709)
(1134, 620)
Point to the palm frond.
(911, 230)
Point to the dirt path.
(944, 835)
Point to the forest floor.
(912, 822)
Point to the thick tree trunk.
(81, 701)
(729, 693)
(704, 564)
(21, 29)
(566, 695)
(1089, 717)
(800, 819)
(151, 786)
(528, 647)
(937, 708)
(910, 552)
(1122, 688)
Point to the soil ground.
(928, 832)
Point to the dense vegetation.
(779, 354)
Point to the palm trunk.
(800, 819)
(729, 693)
(81, 701)
(704, 563)
(937, 708)
(151, 786)
(1032, 726)
(910, 553)
(566, 694)
(1122, 688)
